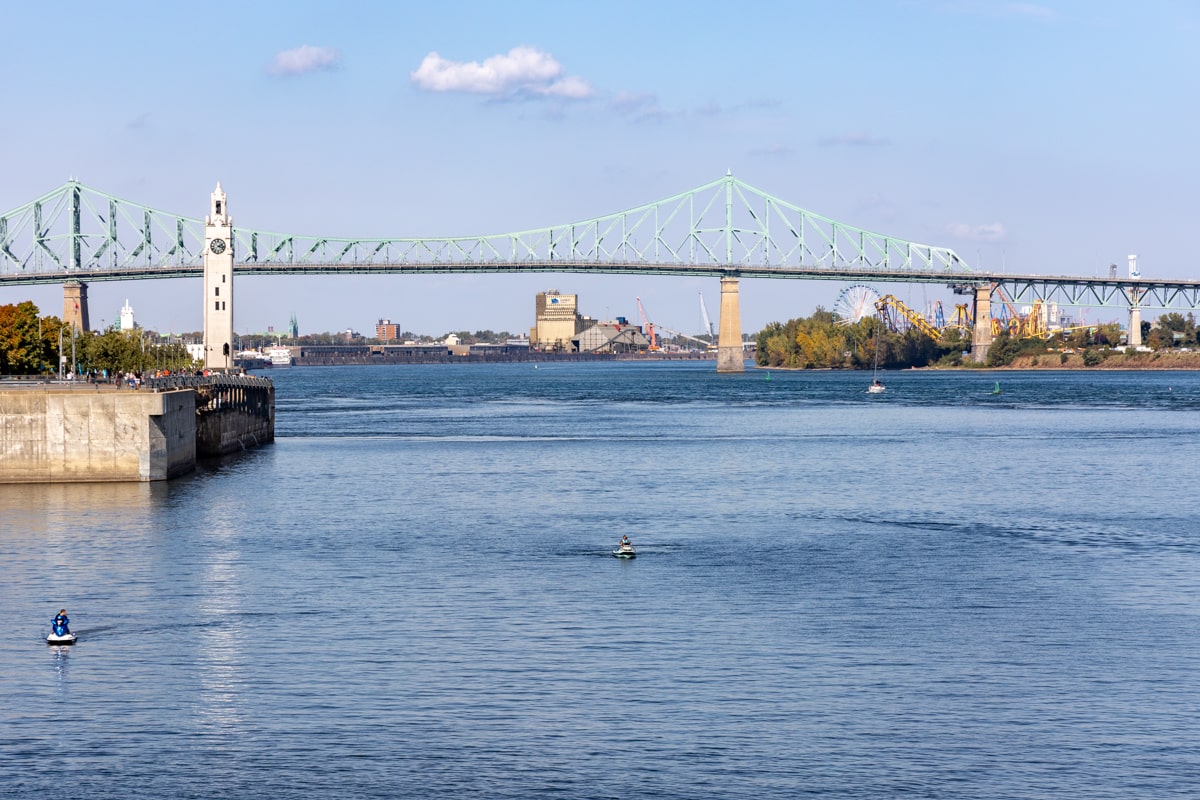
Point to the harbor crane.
(648, 325)
(652, 330)
(708, 326)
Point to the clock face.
(217, 246)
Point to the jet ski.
(60, 630)
(625, 551)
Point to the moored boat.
(280, 356)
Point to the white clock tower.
(218, 284)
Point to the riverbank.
(1112, 360)
(1167, 360)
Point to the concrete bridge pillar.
(730, 356)
(981, 334)
(1134, 338)
(75, 305)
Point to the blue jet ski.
(60, 630)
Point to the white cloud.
(989, 232)
(305, 58)
(713, 109)
(523, 71)
(638, 106)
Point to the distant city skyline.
(1050, 138)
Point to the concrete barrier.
(53, 433)
(64, 432)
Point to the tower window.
(217, 305)
(217, 292)
(218, 207)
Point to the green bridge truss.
(722, 225)
(723, 228)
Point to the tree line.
(821, 341)
(31, 344)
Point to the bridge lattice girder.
(723, 228)
(723, 225)
(1113, 292)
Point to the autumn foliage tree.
(821, 342)
(28, 343)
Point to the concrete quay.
(67, 433)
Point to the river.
(936, 592)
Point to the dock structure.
(78, 432)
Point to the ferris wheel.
(855, 303)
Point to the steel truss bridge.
(725, 228)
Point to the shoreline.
(1049, 362)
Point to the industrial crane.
(698, 340)
(649, 326)
(704, 316)
(652, 330)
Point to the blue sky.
(1044, 137)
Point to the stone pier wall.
(64, 433)
(67, 433)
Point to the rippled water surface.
(937, 592)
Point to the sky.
(1034, 137)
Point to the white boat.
(280, 356)
(876, 386)
(625, 551)
(64, 638)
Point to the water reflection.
(221, 638)
(60, 655)
(61, 510)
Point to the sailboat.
(876, 386)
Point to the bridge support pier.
(981, 334)
(1134, 339)
(730, 355)
(75, 305)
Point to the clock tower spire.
(218, 284)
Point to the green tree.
(23, 342)
(1003, 350)
(1160, 338)
(1108, 333)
